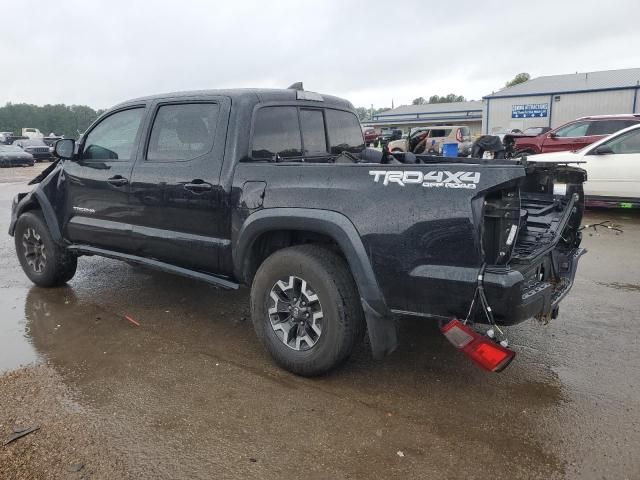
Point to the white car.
(612, 165)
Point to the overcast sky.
(99, 53)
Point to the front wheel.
(306, 309)
(46, 263)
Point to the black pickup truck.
(275, 189)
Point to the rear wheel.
(46, 263)
(306, 309)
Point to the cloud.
(102, 52)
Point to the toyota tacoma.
(275, 189)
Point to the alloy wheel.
(34, 250)
(295, 313)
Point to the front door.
(179, 207)
(570, 137)
(617, 172)
(98, 182)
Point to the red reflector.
(481, 349)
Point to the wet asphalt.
(190, 393)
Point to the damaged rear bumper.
(517, 295)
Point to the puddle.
(15, 348)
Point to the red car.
(574, 135)
(370, 135)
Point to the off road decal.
(433, 179)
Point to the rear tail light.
(484, 351)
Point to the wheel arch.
(339, 230)
(37, 200)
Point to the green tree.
(67, 120)
(418, 101)
(363, 113)
(451, 98)
(519, 78)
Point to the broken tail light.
(481, 349)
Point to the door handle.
(198, 186)
(118, 181)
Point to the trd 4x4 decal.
(433, 179)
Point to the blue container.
(450, 150)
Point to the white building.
(408, 116)
(556, 99)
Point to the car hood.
(15, 154)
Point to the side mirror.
(65, 148)
(603, 150)
(552, 135)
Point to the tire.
(341, 323)
(51, 265)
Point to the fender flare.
(380, 324)
(37, 197)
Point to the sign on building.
(530, 110)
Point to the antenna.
(295, 86)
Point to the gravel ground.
(67, 445)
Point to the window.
(183, 132)
(313, 134)
(626, 143)
(344, 132)
(607, 127)
(276, 133)
(578, 129)
(439, 133)
(114, 137)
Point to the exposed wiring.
(604, 224)
(486, 308)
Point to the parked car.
(14, 156)
(370, 135)
(257, 187)
(612, 165)
(574, 135)
(431, 139)
(36, 147)
(32, 132)
(389, 135)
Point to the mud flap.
(382, 330)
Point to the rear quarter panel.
(405, 226)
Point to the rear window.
(276, 133)
(313, 134)
(344, 132)
(607, 127)
(439, 133)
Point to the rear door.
(97, 186)
(179, 209)
(615, 174)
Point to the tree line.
(67, 120)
